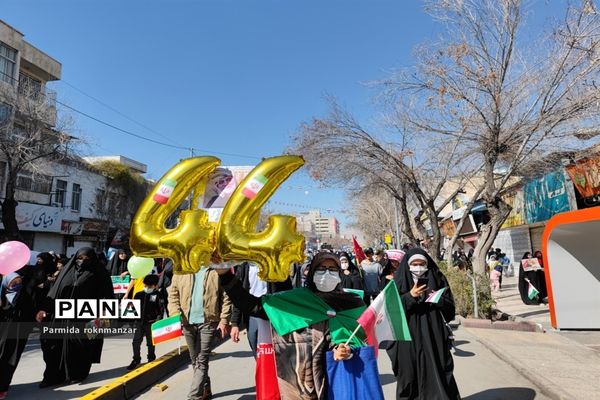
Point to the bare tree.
(29, 135)
(373, 212)
(340, 152)
(119, 198)
(513, 100)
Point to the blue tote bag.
(356, 378)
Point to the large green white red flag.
(384, 319)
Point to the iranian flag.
(435, 296)
(384, 319)
(265, 375)
(531, 291)
(166, 329)
(252, 188)
(165, 190)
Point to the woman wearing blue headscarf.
(17, 314)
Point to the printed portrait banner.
(531, 264)
(220, 187)
(586, 176)
(546, 197)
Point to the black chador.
(424, 366)
(70, 358)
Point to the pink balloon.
(13, 256)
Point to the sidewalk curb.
(132, 383)
(546, 387)
(516, 325)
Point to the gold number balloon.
(279, 245)
(192, 242)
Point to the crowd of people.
(226, 300)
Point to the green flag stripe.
(261, 179)
(395, 311)
(166, 322)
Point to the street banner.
(586, 176)
(546, 197)
(120, 285)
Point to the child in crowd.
(152, 309)
(495, 277)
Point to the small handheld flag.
(435, 296)
(384, 319)
(166, 329)
(532, 292)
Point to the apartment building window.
(8, 63)
(61, 192)
(30, 182)
(5, 111)
(29, 86)
(76, 197)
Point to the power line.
(152, 140)
(119, 112)
(136, 135)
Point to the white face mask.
(148, 290)
(326, 281)
(418, 270)
(344, 264)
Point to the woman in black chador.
(118, 264)
(17, 312)
(537, 280)
(69, 357)
(424, 366)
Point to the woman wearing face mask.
(424, 367)
(351, 278)
(300, 355)
(70, 357)
(16, 317)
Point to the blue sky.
(221, 76)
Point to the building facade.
(58, 197)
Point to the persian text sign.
(38, 218)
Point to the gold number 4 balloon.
(191, 244)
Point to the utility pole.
(398, 242)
